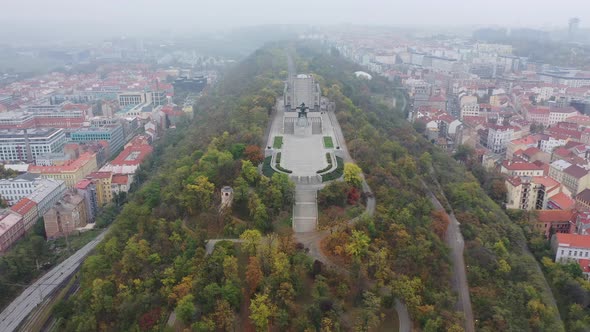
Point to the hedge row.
(335, 174)
(327, 168)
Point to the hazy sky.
(136, 16)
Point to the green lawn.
(328, 144)
(278, 142)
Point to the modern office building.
(113, 134)
(27, 144)
(131, 98)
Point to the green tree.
(249, 172)
(251, 239)
(185, 309)
(198, 194)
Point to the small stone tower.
(227, 196)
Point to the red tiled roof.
(546, 181)
(554, 215)
(514, 181)
(520, 166)
(584, 195)
(71, 167)
(99, 175)
(23, 206)
(531, 151)
(121, 179)
(574, 240)
(83, 184)
(584, 265)
(576, 171)
(133, 155)
(563, 201)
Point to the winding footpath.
(312, 240)
(455, 242)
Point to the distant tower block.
(227, 196)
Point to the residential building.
(11, 229)
(573, 247)
(576, 179)
(27, 209)
(15, 189)
(498, 138)
(555, 221)
(521, 144)
(120, 183)
(583, 200)
(87, 189)
(570, 247)
(46, 194)
(530, 192)
(103, 183)
(71, 173)
(556, 169)
(550, 143)
(521, 168)
(68, 214)
(557, 115)
(561, 201)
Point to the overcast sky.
(136, 16)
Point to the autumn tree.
(261, 310)
(224, 316)
(358, 244)
(254, 273)
(254, 154)
(352, 174)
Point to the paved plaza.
(304, 154)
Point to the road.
(32, 296)
(455, 242)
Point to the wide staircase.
(305, 210)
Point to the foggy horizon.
(71, 19)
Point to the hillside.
(153, 263)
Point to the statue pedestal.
(302, 131)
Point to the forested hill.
(508, 290)
(154, 264)
(154, 257)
